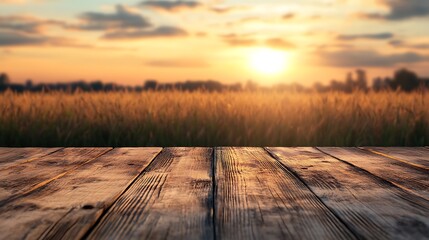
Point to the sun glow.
(268, 61)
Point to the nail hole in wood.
(88, 206)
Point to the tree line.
(403, 80)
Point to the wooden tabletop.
(214, 193)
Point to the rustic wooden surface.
(214, 193)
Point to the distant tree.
(350, 83)
(4, 81)
(336, 85)
(80, 85)
(406, 80)
(150, 84)
(377, 84)
(110, 87)
(96, 86)
(361, 81)
(29, 84)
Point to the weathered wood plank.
(171, 200)
(373, 208)
(69, 206)
(258, 198)
(411, 178)
(417, 156)
(21, 179)
(12, 156)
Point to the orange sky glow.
(269, 42)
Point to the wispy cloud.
(377, 36)
(238, 40)
(247, 40)
(279, 43)
(402, 9)
(170, 5)
(222, 9)
(368, 58)
(178, 63)
(163, 31)
(11, 38)
(122, 18)
(124, 24)
(402, 44)
(288, 16)
(26, 24)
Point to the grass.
(214, 119)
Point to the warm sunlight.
(268, 61)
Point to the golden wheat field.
(214, 119)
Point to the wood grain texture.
(19, 180)
(372, 208)
(417, 156)
(12, 156)
(406, 176)
(258, 198)
(172, 199)
(69, 206)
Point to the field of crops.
(214, 119)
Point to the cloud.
(279, 43)
(368, 58)
(26, 24)
(178, 63)
(221, 9)
(171, 6)
(18, 23)
(246, 40)
(238, 40)
(402, 9)
(381, 36)
(227, 9)
(163, 31)
(288, 16)
(122, 18)
(331, 47)
(19, 39)
(28, 31)
(402, 44)
(247, 20)
(124, 24)
(10, 38)
(269, 20)
(13, 38)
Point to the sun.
(268, 61)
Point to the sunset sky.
(130, 41)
